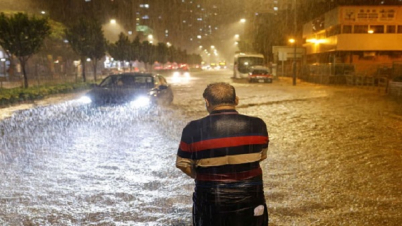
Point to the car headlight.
(141, 101)
(186, 74)
(85, 100)
(176, 74)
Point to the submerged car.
(260, 74)
(139, 89)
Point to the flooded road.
(335, 158)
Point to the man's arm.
(264, 154)
(186, 165)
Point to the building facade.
(366, 36)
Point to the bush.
(20, 95)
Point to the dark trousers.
(215, 206)
(244, 217)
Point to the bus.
(244, 61)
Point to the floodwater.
(335, 158)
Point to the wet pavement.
(335, 157)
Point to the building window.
(399, 28)
(347, 29)
(391, 29)
(361, 29)
(377, 29)
(335, 30)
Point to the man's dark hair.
(220, 93)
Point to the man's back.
(222, 153)
(225, 145)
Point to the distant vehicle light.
(186, 74)
(176, 74)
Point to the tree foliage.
(146, 52)
(23, 36)
(87, 40)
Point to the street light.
(113, 21)
(293, 41)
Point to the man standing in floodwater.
(222, 152)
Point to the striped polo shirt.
(224, 147)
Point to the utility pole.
(295, 42)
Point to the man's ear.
(236, 100)
(206, 103)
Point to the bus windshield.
(246, 62)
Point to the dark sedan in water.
(138, 89)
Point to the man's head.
(220, 95)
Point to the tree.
(55, 51)
(23, 36)
(120, 50)
(147, 53)
(161, 52)
(98, 50)
(87, 40)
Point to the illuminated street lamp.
(113, 21)
(293, 41)
(242, 20)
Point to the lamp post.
(293, 41)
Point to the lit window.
(166, 31)
(347, 29)
(146, 17)
(391, 29)
(276, 8)
(377, 28)
(184, 21)
(361, 29)
(399, 29)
